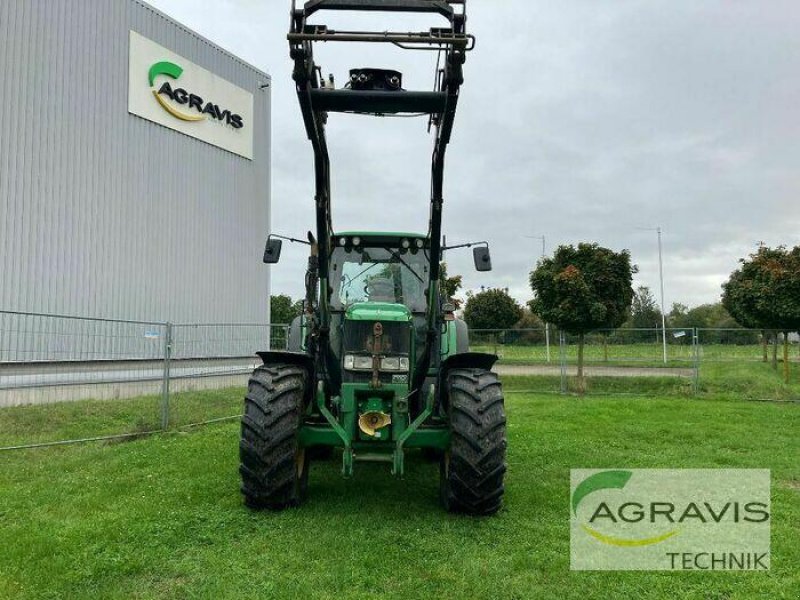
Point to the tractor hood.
(378, 311)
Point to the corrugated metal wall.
(103, 213)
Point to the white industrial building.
(134, 167)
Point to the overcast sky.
(579, 120)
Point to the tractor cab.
(390, 268)
(378, 304)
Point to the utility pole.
(661, 283)
(661, 278)
(546, 325)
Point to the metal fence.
(720, 363)
(65, 378)
(67, 373)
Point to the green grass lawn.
(95, 418)
(161, 517)
(92, 418)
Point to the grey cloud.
(579, 120)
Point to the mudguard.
(469, 360)
(293, 358)
(466, 360)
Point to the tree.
(740, 304)
(644, 310)
(282, 310)
(528, 330)
(644, 313)
(492, 309)
(765, 291)
(449, 285)
(678, 311)
(582, 289)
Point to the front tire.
(273, 466)
(472, 470)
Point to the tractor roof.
(381, 234)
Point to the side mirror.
(449, 310)
(272, 253)
(482, 258)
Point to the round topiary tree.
(582, 289)
(492, 309)
(766, 291)
(739, 300)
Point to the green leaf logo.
(599, 481)
(164, 68)
(174, 71)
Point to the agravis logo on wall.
(192, 101)
(174, 92)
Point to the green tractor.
(378, 366)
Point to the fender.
(465, 360)
(299, 359)
(469, 360)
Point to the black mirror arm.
(288, 239)
(469, 245)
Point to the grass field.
(161, 517)
(84, 419)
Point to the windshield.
(379, 275)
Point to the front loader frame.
(317, 100)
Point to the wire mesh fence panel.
(747, 364)
(636, 347)
(629, 361)
(279, 337)
(531, 354)
(515, 346)
(210, 365)
(65, 377)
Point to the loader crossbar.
(378, 102)
(443, 7)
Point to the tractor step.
(373, 457)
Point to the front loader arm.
(318, 99)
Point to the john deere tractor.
(378, 366)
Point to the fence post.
(547, 340)
(562, 355)
(165, 377)
(696, 348)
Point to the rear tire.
(472, 470)
(273, 467)
(294, 336)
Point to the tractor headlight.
(357, 363)
(353, 362)
(394, 363)
(390, 364)
(356, 241)
(363, 363)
